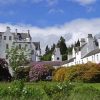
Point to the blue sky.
(45, 13)
(47, 20)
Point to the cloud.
(52, 2)
(72, 31)
(36, 1)
(3, 2)
(85, 2)
(55, 11)
(48, 2)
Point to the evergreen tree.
(52, 48)
(47, 50)
(77, 44)
(62, 45)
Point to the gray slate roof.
(52, 63)
(21, 35)
(37, 45)
(68, 61)
(92, 53)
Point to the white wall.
(57, 55)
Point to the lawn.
(49, 91)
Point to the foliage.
(84, 93)
(48, 91)
(23, 73)
(39, 72)
(47, 49)
(62, 45)
(59, 74)
(4, 71)
(17, 57)
(58, 88)
(46, 57)
(89, 72)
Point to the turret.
(56, 56)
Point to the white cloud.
(48, 2)
(52, 2)
(72, 31)
(85, 2)
(55, 11)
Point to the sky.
(47, 20)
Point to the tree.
(63, 48)
(62, 45)
(77, 44)
(47, 50)
(17, 57)
(52, 48)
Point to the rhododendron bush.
(39, 72)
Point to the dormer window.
(10, 37)
(4, 37)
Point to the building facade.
(21, 40)
(89, 50)
(56, 56)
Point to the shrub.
(22, 73)
(89, 72)
(4, 71)
(59, 74)
(40, 72)
(58, 91)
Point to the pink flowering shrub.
(38, 72)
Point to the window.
(0, 37)
(4, 37)
(87, 59)
(57, 58)
(25, 45)
(92, 58)
(6, 56)
(97, 58)
(82, 61)
(19, 46)
(10, 37)
(32, 52)
(7, 46)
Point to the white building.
(9, 39)
(56, 56)
(89, 50)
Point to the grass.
(81, 91)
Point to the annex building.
(89, 50)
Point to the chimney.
(82, 42)
(90, 36)
(16, 31)
(99, 42)
(8, 28)
(28, 31)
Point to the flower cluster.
(38, 72)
